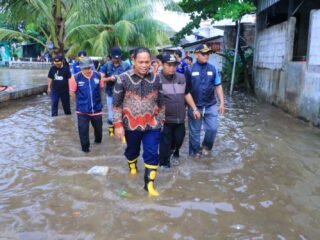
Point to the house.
(286, 66)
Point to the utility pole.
(235, 56)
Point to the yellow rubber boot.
(133, 169)
(149, 177)
(111, 130)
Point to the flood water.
(22, 78)
(261, 182)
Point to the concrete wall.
(247, 33)
(16, 94)
(29, 65)
(314, 38)
(293, 86)
(274, 45)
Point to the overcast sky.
(174, 20)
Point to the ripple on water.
(238, 192)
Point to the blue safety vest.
(88, 93)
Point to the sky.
(175, 20)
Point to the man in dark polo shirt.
(174, 98)
(58, 87)
(204, 83)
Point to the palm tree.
(122, 23)
(50, 17)
(94, 25)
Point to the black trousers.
(172, 137)
(83, 127)
(65, 99)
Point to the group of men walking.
(145, 107)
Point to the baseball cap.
(203, 48)
(57, 58)
(85, 62)
(116, 52)
(83, 53)
(178, 52)
(169, 58)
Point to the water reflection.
(261, 181)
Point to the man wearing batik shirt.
(138, 115)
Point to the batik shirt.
(137, 102)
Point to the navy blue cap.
(57, 58)
(169, 58)
(203, 48)
(116, 52)
(83, 53)
(178, 52)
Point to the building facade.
(286, 65)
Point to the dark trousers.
(83, 127)
(172, 137)
(65, 100)
(150, 140)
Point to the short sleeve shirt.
(60, 77)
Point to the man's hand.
(221, 109)
(110, 79)
(119, 132)
(49, 91)
(196, 115)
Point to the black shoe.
(97, 142)
(176, 154)
(86, 150)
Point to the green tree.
(122, 23)
(49, 17)
(95, 25)
(216, 10)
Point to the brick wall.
(274, 45)
(314, 38)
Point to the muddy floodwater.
(262, 180)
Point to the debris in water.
(99, 170)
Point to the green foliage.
(227, 66)
(122, 23)
(216, 10)
(94, 25)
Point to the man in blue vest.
(75, 66)
(109, 72)
(182, 65)
(203, 82)
(85, 87)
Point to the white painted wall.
(272, 47)
(314, 38)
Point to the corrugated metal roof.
(264, 4)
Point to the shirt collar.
(132, 73)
